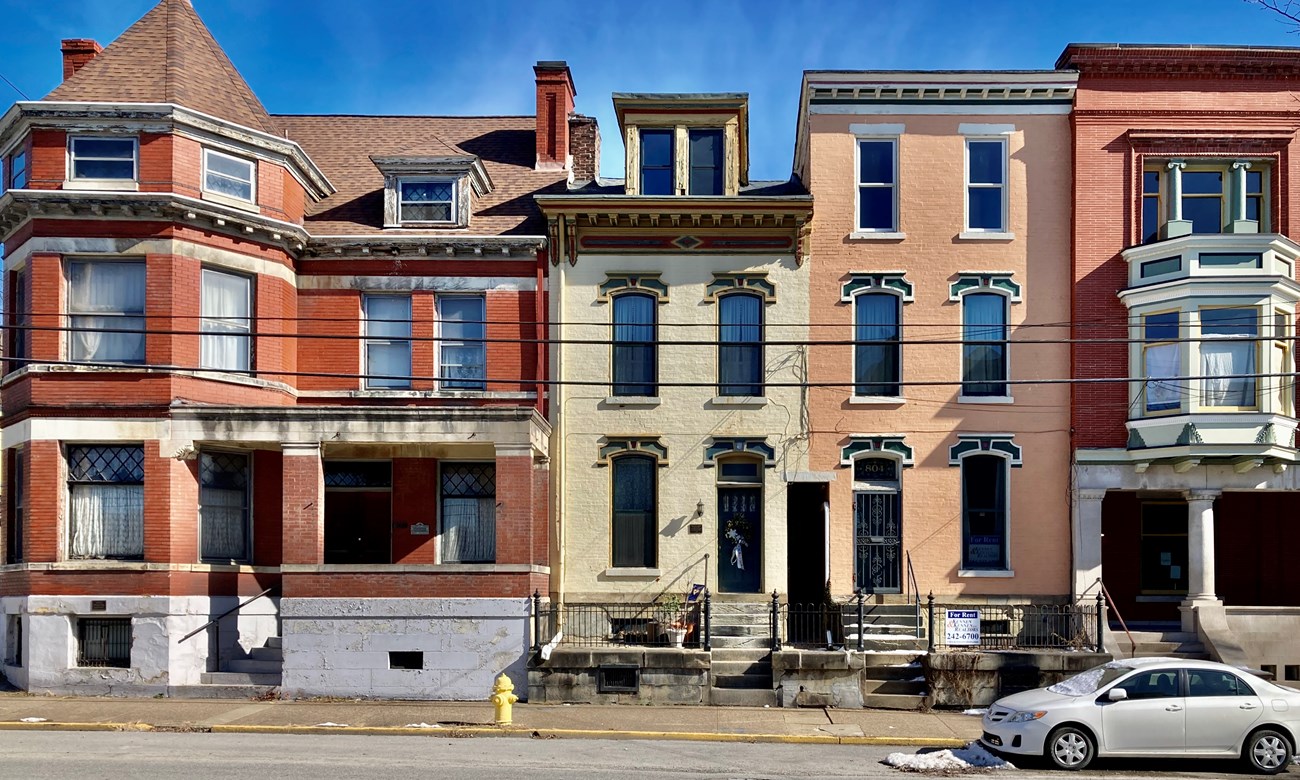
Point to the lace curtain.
(106, 295)
(225, 307)
(469, 530)
(107, 521)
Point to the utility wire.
(15, 86)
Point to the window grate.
(469, 480)
(119, 465)
(359, 474)
(104, 642)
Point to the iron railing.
(1019, 626)
(615, 624)
(814, 625)
(104, 642)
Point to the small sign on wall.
(961, 627)
(419, 529)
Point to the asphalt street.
(96, 755)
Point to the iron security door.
(878, 534)
(740, 536)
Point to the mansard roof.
(168, 56)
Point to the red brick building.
(284, 362)
(1184, 280)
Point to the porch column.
(1200, 555)
(303, 503)
(1087, 540)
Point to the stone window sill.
(994, 573)
(882, 235)
(991, 235)
(102, 185)
(753, 401)
(985, 399)
(234, 203)
(632, 400)
(877, 400)
(631, 573)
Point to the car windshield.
(1090, 681)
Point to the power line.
(15, 86)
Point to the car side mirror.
(1117, 694)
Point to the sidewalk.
(880, 727)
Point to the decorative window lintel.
(731, 445)
(643, 445)
(725, 283)
(888, 444)
(876, 281)
(616, 283)
(990, 443)
(985, 281)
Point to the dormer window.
(657, 162)
(706, 161)
(427, 201)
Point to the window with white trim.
(101, 158)
(878, 185)
(226, 321)
(388, 341)
(1229, 357)
(986, 185)
(426, 200)
(106, 311)
(18, 169)
(230, 176)
(1161, 362)
(462, 361)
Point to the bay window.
(877, 347)
(225, 174)
(1228, 357)
(1285, 386)
(106, 502)
(225, 309)
(100, 158)
(635, 359)
(18, 169)
(1161, 361)
(106, 311)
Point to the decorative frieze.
(992, 443)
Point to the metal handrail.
(914, 593)
(1132, 642)
(218, 618)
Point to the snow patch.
(977, 712)
(422, 725)
(328, 724)
(34, 720)
(971, 757)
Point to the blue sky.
(437, 57)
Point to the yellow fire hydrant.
(503, 697)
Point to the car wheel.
(1070, 748)
(1267, 752)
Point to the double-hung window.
(986, 185)
(706, 162)
(388, 341)
(1202, 200)
(740, 345)
(877, 347)
(1229, 349)
(1161, 359)
(426, 201)
(877, 185)
(18, 319)
(1152, 206)
(657, 162)
(463, 355)
(16, 493)
(984, 347)
(469, 513)
(106, 502)
(1282, 361)
(18, 169)
(984, 512)
(635, 358)
(634, 532)
(1204, 197)
(224, 506)
(233, 177)
(106, 311)
(226, 307)
(99, 158)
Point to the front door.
(740, 537)
(878, 536)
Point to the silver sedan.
(1151, 707)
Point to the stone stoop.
(884, 627)
(888, 684)
(254, 676)
(1160, 644)
(741, 624)
(742, 677)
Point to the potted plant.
(672, 607)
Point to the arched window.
(877, 357)
(740, 345)
(984, 513)
(635, 353)
(635, 511)
(984, 351)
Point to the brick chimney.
(76, 53)
(555, 94)
(584, 147)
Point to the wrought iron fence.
(814, 625)
(615, 624)
(1015, 626)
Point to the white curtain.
(106, 295)
(221, 516)
(469, 530)
(1161, 367)
(225, 311)
(107, 521)
(1220, 359)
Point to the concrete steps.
(893, 681)
(239, 678)
(255, 676)
(1160, 644)
(884, 626)
(741, 624)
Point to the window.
(877, 186)
(224, 506)
(657, 162)
(102, 297)
(1151, 206)
(706, 162)
(106, 502)
(388, 340)
(16, 512)
(1228, 357)
(740, 345)
(463, 365)
(1163, 549)
(231, 176)
(427, 201)
(103, 158)
(986, 189)
(877, 526)
(469, 513)
(226, 308)
(634, 511)
(635, 359)
(1282, 360)
(18, 318)
(1203, 200)
(1159, 684)
(358, 511)
(1161, 359)
(877, 348)
(1204, 197)
(984, 512)
(14, 641)
(18, 169)
(405, 659)
(984, 351)
(1208, 682)
(1255, 196)
(104, 642)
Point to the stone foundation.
(666, 676)
(977, 679)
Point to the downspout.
(826, 539)
(555, 305)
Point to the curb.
(502, 731)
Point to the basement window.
(104, 642)
(406, 659)
(618, 678)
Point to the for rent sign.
(961, 627)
